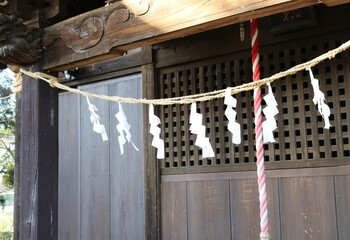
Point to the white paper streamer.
(199, 129)
(270, 111)
(123, 126)
(319, 99)
(157, 142)
(95, 120)
(231, 114)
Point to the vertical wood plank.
(69, 168)
(245, 209)
(342, 197)
(174, 211)
(308, 208)
(127, 170)
(208, 210)
(95, 213)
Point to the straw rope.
(6, 97)
(53, 81)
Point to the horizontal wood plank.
(286, 173)
(108, 32)
(252, 166)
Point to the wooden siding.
(302, 205)
(101, 193)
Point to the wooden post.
(152, 179)
(16, 216)
(38, 160)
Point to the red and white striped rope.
(264, 222)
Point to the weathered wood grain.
(151, 163)
(208, 207)
(95, 169)
(38, 160)
(244, 201)
(308, 208)
(127, 170)
(69, 168)
(342, 198)
(307, 205)
(174, 211)
(101, 191)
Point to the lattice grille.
(300, 135)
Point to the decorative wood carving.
(82, 36)
(19, 44)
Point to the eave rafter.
(108, 32)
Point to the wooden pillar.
(16, 217)
(152, 178)
(38, 160)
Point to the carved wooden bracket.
(19, 44)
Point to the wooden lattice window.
(300, 137)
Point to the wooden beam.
(331, 3)
(108, 32)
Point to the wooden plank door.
(101, 192)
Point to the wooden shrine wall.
(308, 173)
(101, 193)
(302, 204)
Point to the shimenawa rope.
(53, 81)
